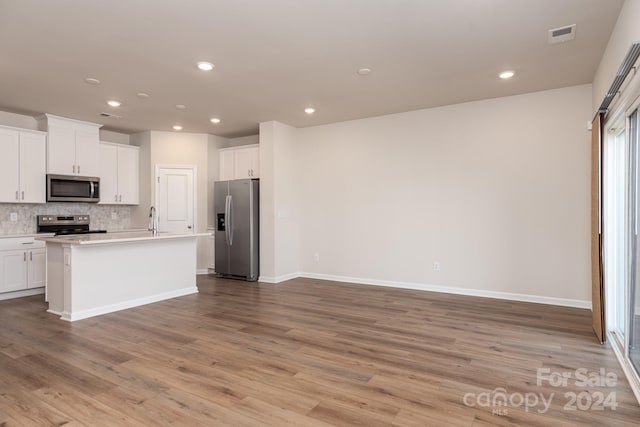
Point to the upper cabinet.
(72, 146)
(240, 162)
(119, 174)
(22, 166)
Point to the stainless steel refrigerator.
(236, 205)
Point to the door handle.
(189, 227)
(230, 220)
(227, 224)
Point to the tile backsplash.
(106, 217)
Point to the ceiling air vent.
(109, 115)
(562, 34)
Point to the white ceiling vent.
(562, 34)
(109, 115)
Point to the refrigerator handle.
(230, 219)
(227, 224)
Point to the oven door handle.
(93, 188)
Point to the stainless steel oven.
(71, 188)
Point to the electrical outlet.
(316, 257)
(13, 216)
(436, 266)
(114, 216)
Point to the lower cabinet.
(22, 264)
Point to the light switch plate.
(13, 216)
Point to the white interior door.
(175, 201)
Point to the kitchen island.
(93, 274)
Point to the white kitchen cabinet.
(227, 159)
(72, 146)
(13, 266)
(119, 174)
(37, 268)
(22, 264)
(22, 166)
(240, 162)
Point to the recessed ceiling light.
(177, 127)
(92, 81)
(142, 95)
(114, 103)
(506, 74)
(215, 120)
(205, 66)
(364, 71)
(309, 110)
(181, 107)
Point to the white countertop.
(120, 237)
(11, 236)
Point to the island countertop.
(107, 238)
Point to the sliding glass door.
(633, 306)
(616, 182)
(621, 209)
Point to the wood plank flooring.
(305, 353)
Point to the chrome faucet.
(153, 220)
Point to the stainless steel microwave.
(71, 188)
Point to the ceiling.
(274, 58)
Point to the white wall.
(215, 143)
(626, 31)
(267, 202)
(116, 137)
(242, 140)
(173, 148)
(140, 213)
(18, 120)
(496, 191)
(279, 197)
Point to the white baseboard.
(450, 290)
(278, 279)
(20, 294)
(202, 271)
(110, 308)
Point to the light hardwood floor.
(304, 352)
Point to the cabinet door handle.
(17, 198)
(23, 195)
(74, 168)
(120, 198)
(30, 256)
(24, 256)
(116, 198)
(78, 168)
